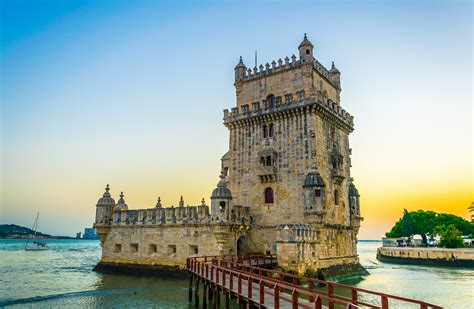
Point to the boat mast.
(33, 228)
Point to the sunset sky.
(131, 93)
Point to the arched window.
(268, 196)
(336, 197)
(270, 130)
(270, 100)
(222, 206)
(269, 161)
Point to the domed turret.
(158, 203)
(313, 179)
(306, 50)
(354, 202)
(106, 199)
(240, 70)
(221, 201)
(353, 190)
(313, 188)
(335, 75)
(104, 208)
(121, 205)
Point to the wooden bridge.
(250, 280)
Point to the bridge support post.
(196, 294)
(190, 292)
(227, 300)
(204, 294)
(214, 296)
(218, 297)
(209, 291)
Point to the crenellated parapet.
(177, 216)
(285, 65)
(320, 103)
(163, 216)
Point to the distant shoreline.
(13, 231)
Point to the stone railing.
(326, 104)
(169, 215)
(280, 65)
(176, 215)
(296, 232)
(276, 66)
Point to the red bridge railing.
(224, 272)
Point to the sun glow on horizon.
(132, 94)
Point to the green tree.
(450, 236)
(425, 223)
(407, 227)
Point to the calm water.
(63, 277)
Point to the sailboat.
(36, 245)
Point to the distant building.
(90, 233)
(78, 235)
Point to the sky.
(131, 93)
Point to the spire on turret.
(181, 202)
(203, 202)
(240, 70)
(335, 76)
(107, 189)
(333, 68)
(305, 42)
(306, 50)
(121, 205)
(158, 204)
(106, 199)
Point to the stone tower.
(289, 160)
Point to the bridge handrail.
(201, 268)
(311, 289)
(311, 281)
(422, 304)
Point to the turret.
(354, 200)
(240, 70)
(335, 75)
(313, 188)
(306, 50)
(158, 203)
(103, 215)
(121, 205)
(221, 201)
(104, 208)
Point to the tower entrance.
(242, 245)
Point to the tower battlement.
(285, 81)
(281, 66)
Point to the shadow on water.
(112, 290)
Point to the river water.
(62, 277)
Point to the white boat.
(36, 245)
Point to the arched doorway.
(242, 245)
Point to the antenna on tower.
(255, 58)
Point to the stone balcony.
(267, 173)
(322, 105)
(337, 175)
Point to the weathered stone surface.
(284, 185)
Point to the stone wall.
(428, 253)
(165, 245)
